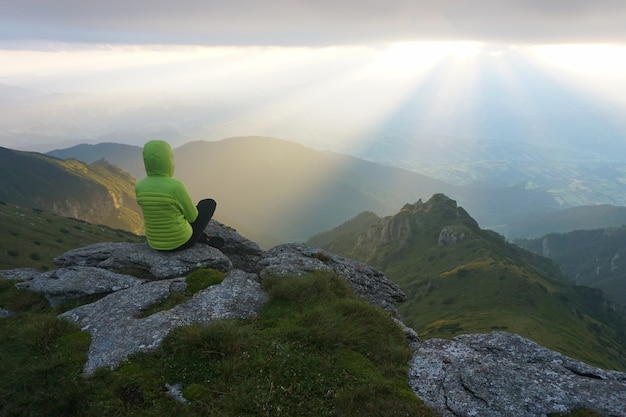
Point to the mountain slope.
(461, 279)
(590, 257)
(287, 191)
(99, 193)
(32, 238)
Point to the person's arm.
(190, 211)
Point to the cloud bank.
(315, 23)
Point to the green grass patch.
(41, 359)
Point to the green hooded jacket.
(165, 202)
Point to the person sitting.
(171, 221)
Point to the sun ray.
(596, 69)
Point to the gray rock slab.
(366, 281)
(140, 260)
(117, 329)
(77, 281)
(501, 374)
(22, 274)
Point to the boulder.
(502, 374)
(141, 261)
(64, 284)
(242, 252)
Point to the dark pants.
(206, 208)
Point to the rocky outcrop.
(130, 277)
(502, 374)
(367, 282)
(497, 374)
(449, 236)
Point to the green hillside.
(99, 193)
(461, 279)
(33, 237)
(591, 257)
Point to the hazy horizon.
(331, 75)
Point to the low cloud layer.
(320, 22)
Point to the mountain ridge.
(459, 278)
(233, 168)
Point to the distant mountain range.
(537, 224)
(99, 192)
(596, 258)
(276, 191)
(298, 191)
(460, 278)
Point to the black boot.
(214, 241)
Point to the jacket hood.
(158, 158)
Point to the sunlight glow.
(598, 69)
(411, 56)
(334, 97)
(357, 97)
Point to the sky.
(311, 23)
(332, 69)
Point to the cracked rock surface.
(502, 374)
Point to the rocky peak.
(497, 374)
(439, 211)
